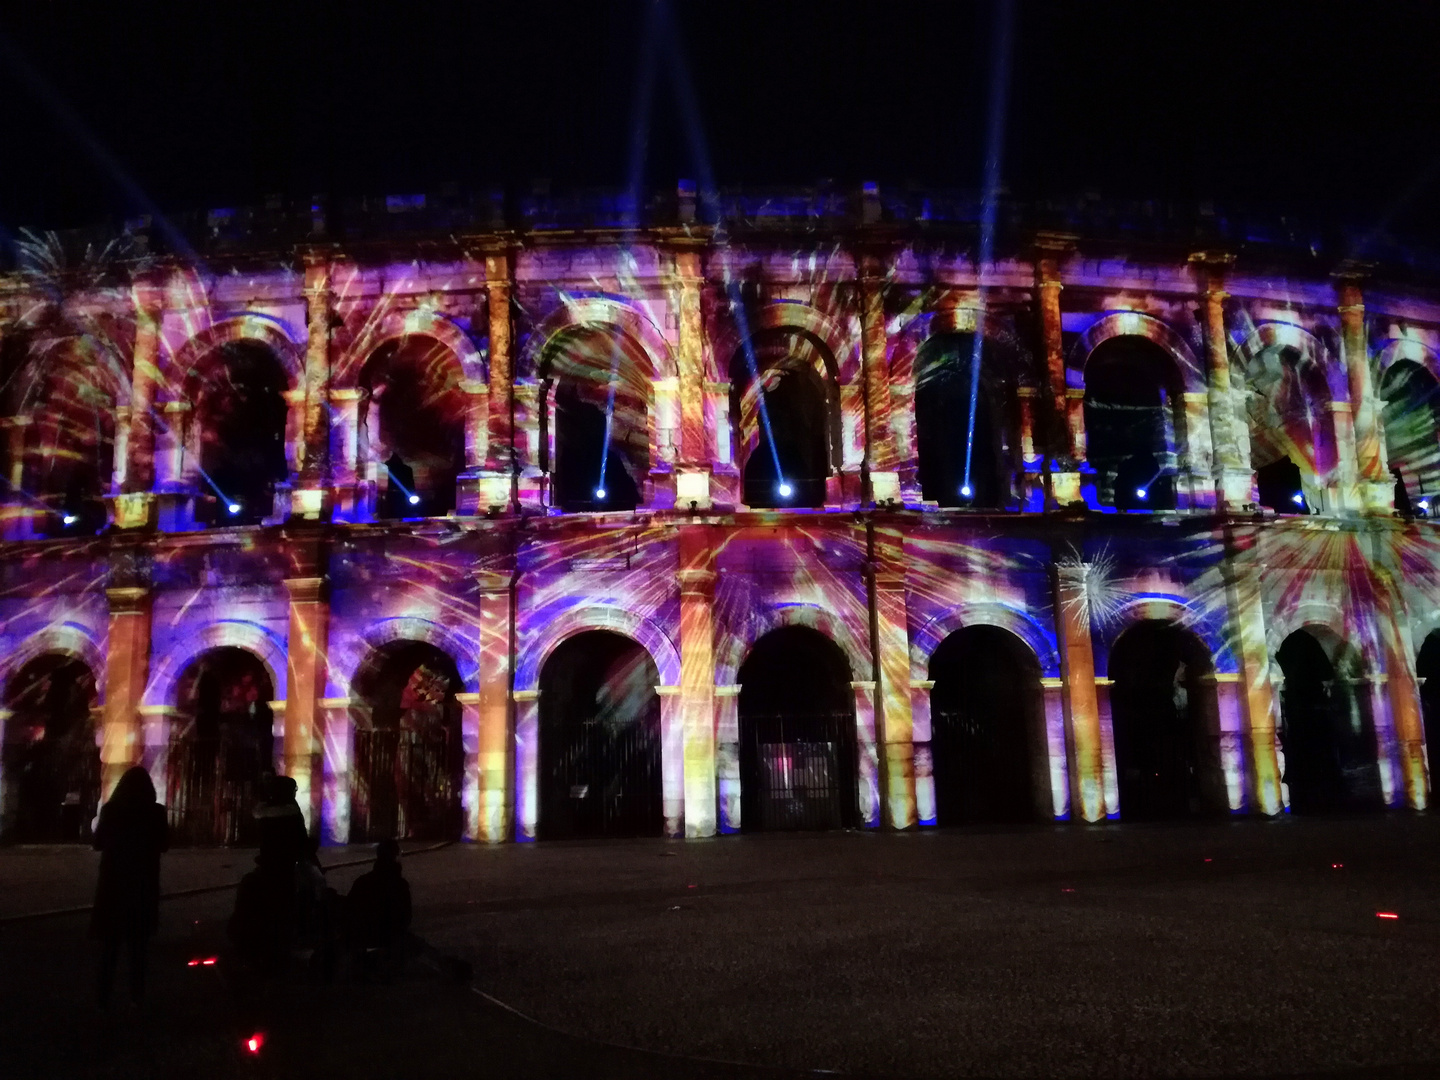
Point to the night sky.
(1314, 108)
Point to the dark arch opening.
(409, 754)
(1410, 417)
(1427, 669)
(1281, 488)
(942, 423)
(1291, 443)
(599, 740)
(413, 425)
(240, 410)
(798, 764)
(51, 761)
(803, 410)
(1325, 729)
(1163, 716)
(71, 448)
(1130, 400)
(986, 728)
(221, 747)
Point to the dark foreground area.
(1244, 948)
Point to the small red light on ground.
(1386, 915)
(1337, 866)
(255, 1042)
(193, 963)
(209, 961)
(1209, 860)
(1067, 890)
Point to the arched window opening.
(221, 747)
(409, 757)
(1132, 402)
(1411, 420)
(1292, 442)
(240, 417)
(51, 760)
(1427, 670)
(797, 734)
(598, 449)
(789, 462)
(599, 740)
(71, 445)
(987, 742)
(1326, 734)
(960, 463)
(412, 426)
(1163, 713)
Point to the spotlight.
(255, 1042)
(1298, 498)
(966, 490)
(599, 494)
(69, 519)
(414, 500)
(234, 508)
(785, 489)
(1141, 494)
(1423, 506)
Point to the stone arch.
(226, 633)
(1406, 349)
(618, 620)
(933, 634)
(1169, 610)
(842, 346)
(66, 639)
(1188, 369)
(414, 322)
(252, 326)
(385, 632)
(599, 313)
(906, 344)
(1327, 625)
(1311, 349)
(735, 646)
(39, 364)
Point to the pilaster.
(1065, 441)
(697, 677)
(493, 748)
(1249, 643)
(1081, 706)
(307, 671)
(127, 669)
(880, 451)
(312, 495)
(892, 650)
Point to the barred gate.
(981, 769)
(211, 785)
(406, 785)
(54, 793)
(604, 781)
(798, 771)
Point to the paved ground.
(1222, 949)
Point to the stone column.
(867, 774)
(672, 761)
(1109, 773)
(1230, 747)
(1249, 644)
(127, 669)
(307, 671)
(1066, 448)
(1032, 461)
(311, 498)
(922, 734)
(527, 748)
(494, 743)
(337, 760)
(497, 488)
(727, 755)
(880, 452)
(1402, 691)
(471, 810)
(692, 484)
(344, 452)
(1376, 488)
(1233, 479)
(134, 505)
(477, 437)
(1344, 490)
(1081, 706)
(697, 677)
(1058, 743)
(891, 648)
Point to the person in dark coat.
(378, 910)
(131, 834)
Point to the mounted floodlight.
(1423, 506)
(414, 499)
(1142, 494)
(1298, 498)
(785, 489)
(600, 494)
(234, 508)
(69, 519)
(966, 491)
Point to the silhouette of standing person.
(379, 912)
(130, 837)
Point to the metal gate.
(798, 771)
(1156, 753)
(981, 767)
(55, 791)
(210, 791)
(406, 785)
(604, 780)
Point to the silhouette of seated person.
(273, 901)
(378, 913)
(398, 490)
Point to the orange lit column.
(127, 667)
(727, 756)
(306, 669)
(868, 776)
(1402, 691)
(1082, 709)
(1057, 744)
(492, 763)
(1249, 644)
(134, 505)
(692, 484)
(892, 649)
(880, 452)
(1375, 488)
(697, 677)
(921, 734)
(1066, 434)
(311, 497)
(497, 488)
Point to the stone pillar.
(727, 756)
(311, 497)
(527, 749)
(1198, 465)
(891, 647)
(1066, 434)
(1058, 744)
(477, 438)
(1376, 488)
(1249, 645)
(471, 810)
(880, 452)
(1230, 748)
(1109, 773)
(1402, 691)
(498, 489)
(344, 452)
(1082, 710)
(697, 677)
(493, 746)
(867, 776)
(306, 674)
(1344, 490)
(692, 484)
(127, 669)
(672, 761)
(21, 513)
(134, 505)
(337, 760)
(922, 734)
(1233, 478)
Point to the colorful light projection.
(767, 659)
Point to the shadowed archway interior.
(240, 410)
(1130, 398)
(51, 760)
(943, 427)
